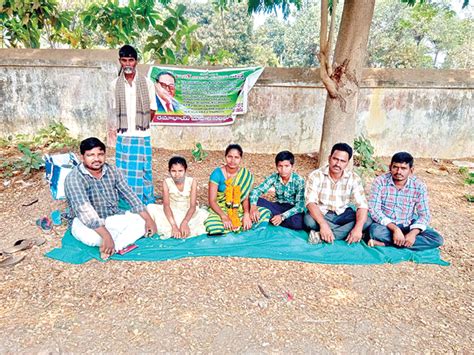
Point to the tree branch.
(328, 83)
(323, 31)
(329, 39)
(323, 55)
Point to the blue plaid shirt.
(92, 200)
(292, 192)
(407, 206)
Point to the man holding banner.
(135, 106)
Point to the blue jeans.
(294, 222)
(428, 239)
(340, 225)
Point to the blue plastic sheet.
(272, 242)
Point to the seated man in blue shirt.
(288, 209)
(93, 190)
(399, 207)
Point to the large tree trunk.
(339, 122)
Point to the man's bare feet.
(375, 243)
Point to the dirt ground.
(215, 305)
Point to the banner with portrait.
(201, 97)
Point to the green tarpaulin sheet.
(272, 242)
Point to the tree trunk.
(339, 122)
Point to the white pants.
(125, 229)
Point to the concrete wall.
(427, 112)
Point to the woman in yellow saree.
(229, 189)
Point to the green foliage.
(158, 32)
(366, 164)
(53, 137)
(463, 170)
(425, 34)
(26, 163)
(225, 33)
(420, 36)
(264, 56)
(470, 179)
(25, 21)
(294, 42)
(221, 57)
(199, 153)
(7, 167)
(119, 24)
(56, 136)
(174, 41)
(4, 142)
(29, 160)
(267, 6)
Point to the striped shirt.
(407, 206)
(92, 200)
(335, 196)
(292, 192)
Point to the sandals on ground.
(7, 259)
(24, 244)
(45, 224)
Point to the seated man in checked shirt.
(329, 190)
(399, 207)
(92, 191)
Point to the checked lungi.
(133, 156)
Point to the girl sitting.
(179, 216)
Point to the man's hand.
(184, 228)
(254, 213)
(246, 222)
(398, 237)
(276, 220)
(175, 232)
(410, 238)
(354, 236)
(150, 227)
(227, 222)
(107, 248)
(326, 233)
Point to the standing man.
(165, 87)
(329, 191)
(93, 189)
(135, 107)
(399, 207)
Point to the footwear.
(24, 244)
(45, 224)
(56, 217)
(314, 237)
(9, 260)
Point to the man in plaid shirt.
(399, 207)
(93, 190)
(329, 191)
(288, 209)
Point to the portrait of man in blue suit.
(165, 88)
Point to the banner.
(194, 97)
